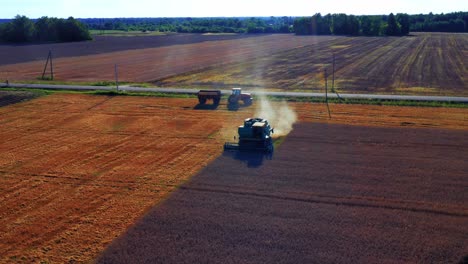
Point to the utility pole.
(49, 57)
(326, 92)
(116, 77)
(6, 81)
(333, 73)
(333, 79)
(51, 66)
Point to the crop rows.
(431, 64)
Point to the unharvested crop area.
(331, 194)
(419, 64)
(77, 170)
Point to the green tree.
(404, 21)
(321, 24)
(352, 26)
(315, 22)
(377, 26)
(339, 24)
(72, 30)
(2, 30)
(46, 29)
(392, 28)
(303, 26)
(366, 26)
(326, 25)
(20, 29)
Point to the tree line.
(386, 25)
(342, 24)
(45, 29)
(195, 25)
(338, 24)
(450, 22)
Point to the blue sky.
(211, 8)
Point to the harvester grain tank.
(237, 95)
(254, 135)
(204, 95)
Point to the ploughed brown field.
(423, 63)
(149, 64)
(76, 171)
(102, 44)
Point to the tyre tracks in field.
(457, 62)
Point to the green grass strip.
(370, 102)
(271, 98)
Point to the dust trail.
(281, 117)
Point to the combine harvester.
(254, 135)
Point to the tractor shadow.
(236, 107)
(253, 159)
(206, 107)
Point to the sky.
(213, 8)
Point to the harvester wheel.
(216, 101)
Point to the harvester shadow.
(253, 159)
(206, 107)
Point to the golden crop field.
(78, 170)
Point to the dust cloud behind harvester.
(280, 116)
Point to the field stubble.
(422, 63)
(430, 64)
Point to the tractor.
(237, 95)
(254, 135)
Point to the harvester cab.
(237, 95)
(254, 135)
